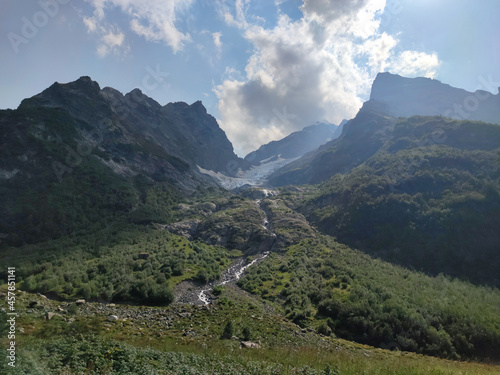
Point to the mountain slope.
(405, 97)
(392, 96)
(184, 131)
(428, 197)
(361, 137)
(296, 144)
(75, 157)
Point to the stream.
(234, 272)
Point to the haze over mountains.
(296, 144)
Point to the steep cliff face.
(392, 96)
(184, 131)
(205, 143)
(76, 155)
(404, 97)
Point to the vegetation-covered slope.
(96, 208)
(429, 198)
(76, 157)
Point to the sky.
(262, 68)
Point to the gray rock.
(50, 315)
(185, 228)
(112, 318)
(207, 206)
(250, 345)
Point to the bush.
(324, 330)
(217, 290)
(228, 330)
(246, 333)
(202, 276)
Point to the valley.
(156, 249)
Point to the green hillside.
(429, 199)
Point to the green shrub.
(228, 331)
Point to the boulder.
(112, 318)
(50, 315)
(207, 206)
(250, 345)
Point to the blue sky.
(263, 68)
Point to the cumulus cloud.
(327, 10)
(110, 43)
(414, 63)
(111, 38)
(154, 20)
(320, 66)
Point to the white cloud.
(217, 40)
(414, 63)
(91, 23)
(110, 43)
(378, 50)
(318, 67)
(327, 10)
(111, 38)
(153, 19)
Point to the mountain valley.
(371, 247)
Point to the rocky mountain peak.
(60, 94)
(387, 84)
(405, 97)
(198, 107)
(136, 96)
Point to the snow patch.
(255, 176)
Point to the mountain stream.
(234, 272)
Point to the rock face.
(404, 97)
(136, 122)
(392, 96)
(207, 144)
(296, 144)
(104, 151)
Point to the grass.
(141, 346)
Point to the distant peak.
(85, 79)
(136, 91)
(387, 83)
(198, 106)
(83, 83)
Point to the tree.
(246, 333)
(228, 330)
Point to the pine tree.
(228, 330)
